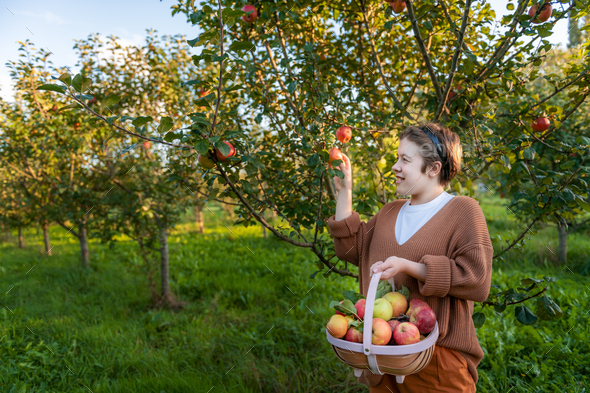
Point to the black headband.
(434, 140)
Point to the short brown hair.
(450, 144)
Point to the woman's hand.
(391, 267)
(346, 168)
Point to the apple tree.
(300, 70)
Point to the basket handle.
(368, 318)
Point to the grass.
(254, 320)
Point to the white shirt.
(411, 218)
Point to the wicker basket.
(398, 360)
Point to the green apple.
(382, 309)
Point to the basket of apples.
(381, 333)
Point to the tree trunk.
(21, 244)
(164, 267)
(199, 218)
(46, 239)
(84, 245)
(562, 248)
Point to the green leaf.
(51, 87)
(222, 147)
(584, 205)
(110, 100)
(547, 309)
(81, 83)
(353, 296)
(427, 25)
(141, 120)
(125, 118)
(550, 279)
(314, 274)
(70, 106)
(524, 315)
(529, 281)
(166, 124)
(202, 146)
(406, 292)
(347, 307)
(478, 319)
(241, 45)
(382, 288)
(499, 307)
(66, 78)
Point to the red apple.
(398, 6)
(253, 16)
(424, 319)
(205, 161)
(414, 304)
(360, 307)
(392, 324)
(92, 101)
(147, 144)
(220, 156)
(344, 134)
(543, 15)
(501, 195)
(540, 124)
(335, 154)
(353, 335)
(406, 333)
(337, 326)
(381, 332)
(398, 302)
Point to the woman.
(434, 243)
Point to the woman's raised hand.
(345, 167)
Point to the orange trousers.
(446, 372)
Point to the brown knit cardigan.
(456, 248)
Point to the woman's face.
(409, 178)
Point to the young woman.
(434, 243)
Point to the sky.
(55, 24)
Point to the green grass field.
(253, 322)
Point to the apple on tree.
(253, 16)
(335, 154)
(544, 15)
(541, 124)
(343, 134)
(220, 156)
(147, 144)
(398, 6)
(205, 161)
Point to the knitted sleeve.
(468, 273)
(351, 235)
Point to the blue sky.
(54, 24)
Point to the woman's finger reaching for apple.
(345, 167)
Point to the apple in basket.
(360, 308)
(382, 309)
(392, 324)
(424, 319)
(414, 304)
(353, 335)
(406, 333)
(337, 326)
(381, 332)
(398, 302)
